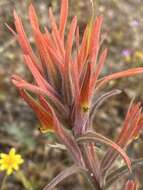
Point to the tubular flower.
(10, 161)
(63, 82)
(66, 73)
(131, 185)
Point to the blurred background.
(123, 34)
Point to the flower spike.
(66, 72)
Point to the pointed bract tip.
(15, 14)
(31, 7)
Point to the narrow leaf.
(101, 100)
(69, 44)
(24, 43)
(63, 175)
(44, 116)
(122, 172)
(63, 17)
(53, 100)
(56, 35)
(33, 17)
(37, 76)
(99, 66)
(82, 56)
(96, 137)
(122, 74)
(95, 39)
(130, 128)
(49, 66)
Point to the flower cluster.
(66, 75)
(132, 56)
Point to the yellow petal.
(12, 152)
(1, 161)
(2, 155)
(9, 171)
(19, 159)
(16, 167)
(2, 167)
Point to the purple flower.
(126, 52)
(134, 23)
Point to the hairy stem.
(90, 174)
(92, 182)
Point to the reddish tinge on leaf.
(130, 131)
(131, 185)
(42, 114)
(67, 83)
(66, 73)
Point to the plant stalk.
(3, 182)
(92, 182)
(90, 176)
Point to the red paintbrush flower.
(131, 185)
(65, 82)
(63, 90)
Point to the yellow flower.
(138, 55)
(10, 161)
(128, 58)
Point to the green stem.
(3, 182)
(26, 183)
